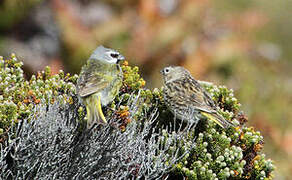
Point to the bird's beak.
(120, 58)
(161, 72)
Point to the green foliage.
(18, 96)
(224, 97)
(207, 151)
(218, 154)
(132, 80)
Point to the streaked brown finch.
(187, 99)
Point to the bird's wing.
(91, 82)
(199, 98)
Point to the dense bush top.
(43, 136)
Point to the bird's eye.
(114, 55)
(166, 70)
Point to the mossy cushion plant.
(43, 115)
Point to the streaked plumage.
(99, 82)
(186, 99)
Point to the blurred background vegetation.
(243, 44)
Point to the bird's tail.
(217, 118)
(94, 111)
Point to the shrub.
(43, 133)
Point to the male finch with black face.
(186, 99)
(99, 82)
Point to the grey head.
(106, 55)
(172, 73)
